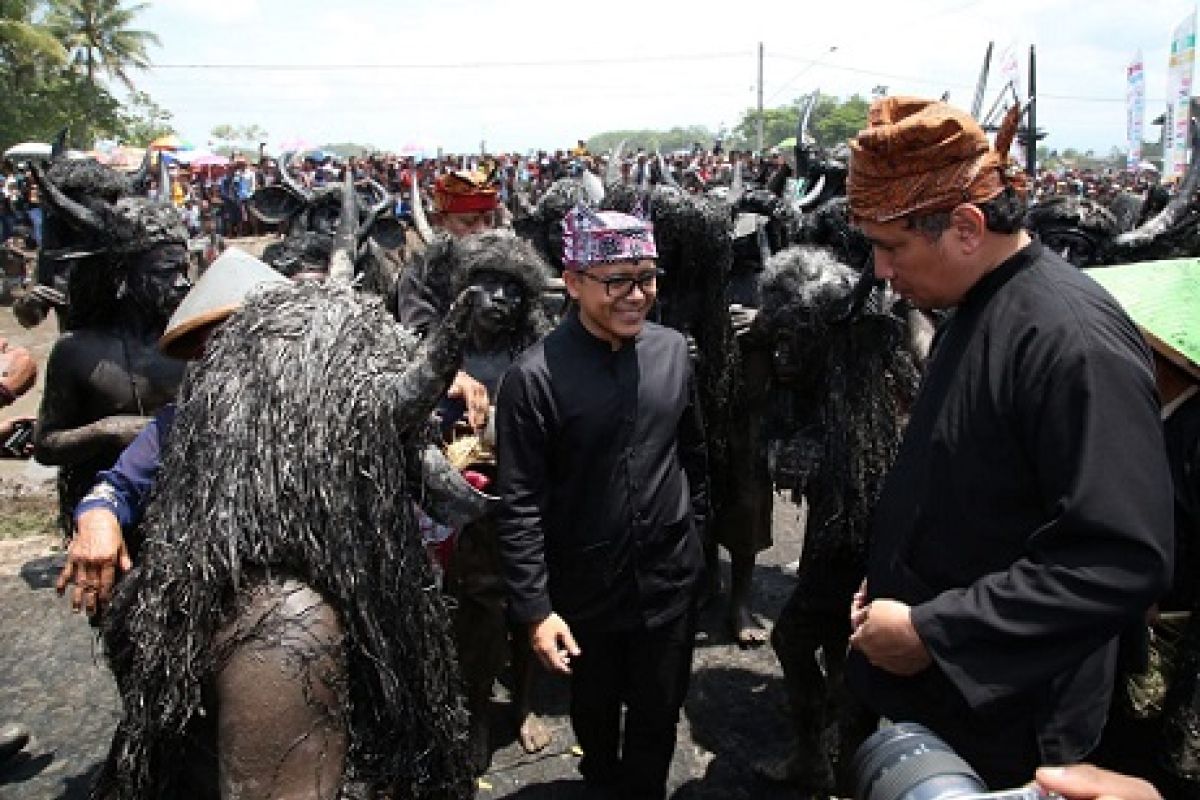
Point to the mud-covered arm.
(125, 489)
(60, 438)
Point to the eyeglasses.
(619, 286)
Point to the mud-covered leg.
(532, 732)
(281, 695)
(799, 637)
(747, 630)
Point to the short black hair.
(1004, 213)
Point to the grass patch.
(27, 515)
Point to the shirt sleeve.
(125, 489)
(1087, 417)
(521, 480)
(693, 453)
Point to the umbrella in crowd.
(28, 150)
(170, 142)
(203, 159)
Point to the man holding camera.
(1027, 520)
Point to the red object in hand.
(478, 480)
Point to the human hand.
(18, 370)
(1086, 782)
(741, 318)
(553, 643)
(886, 636)
(474, 394)
(97, 551)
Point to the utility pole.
(760, 98)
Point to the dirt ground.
(54, 680)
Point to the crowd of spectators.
(215, 200)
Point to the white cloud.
(607, 66)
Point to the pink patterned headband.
(591, 238)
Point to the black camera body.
(909, 762)
(17, 442)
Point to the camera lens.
(909, 762)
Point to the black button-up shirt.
(602, 478)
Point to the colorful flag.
(1135, 109)
(1179, 95)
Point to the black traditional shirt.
(602, 478)
(1028, 517)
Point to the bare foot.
(533, 733)
(747, 630)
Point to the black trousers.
(646, 671)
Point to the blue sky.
(529, 73)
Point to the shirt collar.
(987, 286)
(577, 329)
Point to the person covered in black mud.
(602, 485)
(105, 377)
(508, 318)
(830, 354)
(277, 534)
(464, 204)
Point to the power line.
(464, 64)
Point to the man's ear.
(571, 281)
(967, 227)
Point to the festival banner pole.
(1179, 94)
(1135, 108)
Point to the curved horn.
(665, 173)
(418, 388)
(418, 212)
(288, 181)
(59, 148)
(612, 174)
(448, 497)
(764, 244)
(857, 298)
(809, 199)
(736, 185)
(80, 214)
(341, 261)
(802, 132)
(1174, 212)
(375, 212)
(139, 179)
(163, 195)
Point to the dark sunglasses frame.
(619, 286)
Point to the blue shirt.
(125, 489)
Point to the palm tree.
(97, 36)
(24, 37)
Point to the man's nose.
(883, 265)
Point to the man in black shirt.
(602, 468)
(1027, 520)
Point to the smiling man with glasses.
(601, 477)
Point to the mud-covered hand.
(886, 636)
(553, 643)
(96, 556)
(1086, 782)
(741, 318)
(474, 394)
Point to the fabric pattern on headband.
(591, 238)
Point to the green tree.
(234, 138)
(144, 120)
(832, 121)
(98, 37)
